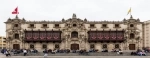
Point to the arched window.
(132, 35)
(74, 34)
(16, 36)
(131, 25)
(15, 25)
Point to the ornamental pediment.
(16, 20)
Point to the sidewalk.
(2, 55)
(79, 57)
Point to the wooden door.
(131, 46)
(74, 46)
(16, 46)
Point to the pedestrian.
(25, 52)
(45, 53)
(7, 53)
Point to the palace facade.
(75, 33)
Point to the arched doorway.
(16, 46)
(74, 46)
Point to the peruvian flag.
(15, 11)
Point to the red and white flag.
(15, 11)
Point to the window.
(74, 34)
(104, 45)
(44, 46)
(56, 46)
(104, 25)
(116, 45)
(4, 41)
(16, 36)
(44, 25)
(91, 25)
(116, 25)
(31, 46)
(81, 24)
(16, 25)
(67, 24)
(131, 25)
(74, 25)
(92, 46)
(31, 25)
(132, 35)
(4, 38)
(56, 25)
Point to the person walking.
(7, 53)
(45, 53)
(25, 52)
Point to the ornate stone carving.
(74, 16)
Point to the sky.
(55, 10)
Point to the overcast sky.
(96, 10)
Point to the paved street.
(3, 56)
(78, 57)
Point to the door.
(74, 46)
(131, 46)
(16, 46)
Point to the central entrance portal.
(74, 46)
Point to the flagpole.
(130, 11)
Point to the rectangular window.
(92, 25)
(56, 25)
(92, 46)
(56, 46)
(116, 45)
(116, 25)
(31, 25)
(74, 25)
(104, 25)
(16, 36)
(104, 45)
(44, 25)
(31, 46)
(44, 46)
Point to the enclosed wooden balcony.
(42, 36)
(106, 36)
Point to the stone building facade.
(146, 33)
(2, 42)
(74, 33)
